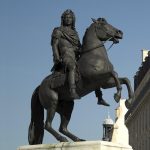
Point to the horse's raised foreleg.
(110, 83)
(65, 110)
(117, 95)
(130, 91)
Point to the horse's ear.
(94, 20)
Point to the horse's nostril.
(119, 31)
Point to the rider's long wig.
(68, 12)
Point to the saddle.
(57, 79)
(59, 76)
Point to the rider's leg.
(99, 95)
(71, 80)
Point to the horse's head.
(105, 31)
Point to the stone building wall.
(138, 116)
(142, 71)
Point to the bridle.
(101, 45)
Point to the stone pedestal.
(87, 145)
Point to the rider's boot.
(99, 95)
(73, 92)
(101, 101)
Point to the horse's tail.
(36, 127)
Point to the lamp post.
(107, 129)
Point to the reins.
(101, 45)
(110, 47)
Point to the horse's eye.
(103, 19)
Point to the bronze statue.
(94, 71)
(66, 51)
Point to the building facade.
(137, 118)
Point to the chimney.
(144, 54)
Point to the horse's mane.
(86, 32)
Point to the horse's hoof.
(128, 103)
(82, 140)
(79, 140)
(117, 97)
(63, 139)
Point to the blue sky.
(26, 58)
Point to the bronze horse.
(96, 71)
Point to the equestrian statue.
(78, 70)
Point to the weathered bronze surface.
(78, 70)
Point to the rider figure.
(66, 50)
(66, 45)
